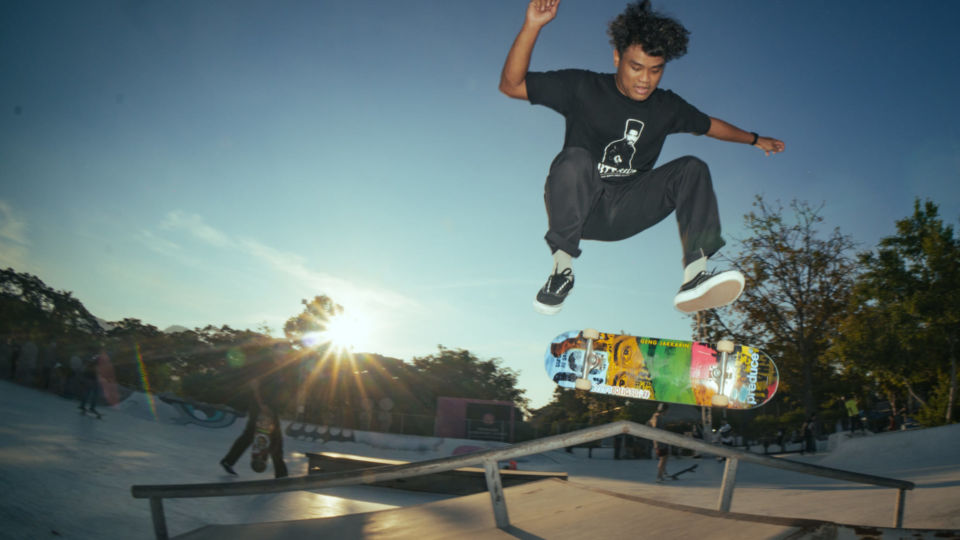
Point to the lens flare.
(145, 382)
(236, 358)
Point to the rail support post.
(898, 511)
(159, 520)
(495, 486)
(729, 481)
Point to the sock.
(561, 261)
(694, 268)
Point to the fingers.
(541, 12)
(544, 5)
(771, 146)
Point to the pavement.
(67, 475)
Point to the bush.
(935, 413)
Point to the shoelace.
(565, 276)
(699, 278)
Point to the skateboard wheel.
(725, 346)
(591, 333)
(719, 400)
(583, 384)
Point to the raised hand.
(540, 12)
(770, 145)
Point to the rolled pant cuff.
(556, 242)
(703, 252)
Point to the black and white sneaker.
(708, 290)
(550, 298)
(226, 466)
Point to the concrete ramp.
(546, 509)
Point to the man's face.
(637, 73)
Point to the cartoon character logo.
(617, 158)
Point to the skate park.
(142, 473)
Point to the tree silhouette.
(904, 323)
(798, 284)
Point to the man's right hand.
(540, 12)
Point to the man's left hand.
(770, 145)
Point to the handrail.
(489, 459)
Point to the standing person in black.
(810, 431)
(257, 407)
(90, 386)
(603, 185)
(14, 357)
(661, 450)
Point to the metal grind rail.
(489, 459)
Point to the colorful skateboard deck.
(655, 369)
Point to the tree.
(132, 347)
(797, 288)
(314, 318)
(572, 409)
(904, 325)
(459, 373)
(32, 310)
(298, 329)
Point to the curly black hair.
(658, 34)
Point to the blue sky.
(216, 162)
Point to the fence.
(489, 460)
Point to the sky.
(192, 163)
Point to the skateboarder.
(603, 184)
(259, 413)
(661, 450)
(853, 413)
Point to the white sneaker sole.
(718, 291)
(545, 309)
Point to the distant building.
(478, 419)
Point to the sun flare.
(349, 332)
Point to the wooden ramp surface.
(546, 509)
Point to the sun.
(350, 332)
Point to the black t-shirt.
(624, 136)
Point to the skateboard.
(94, 412)
(678, 473)
(686, 372)
(261, 441)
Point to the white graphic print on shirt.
(618, 156)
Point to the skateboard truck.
(724, 349)
(590, 361)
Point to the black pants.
(582, 206)
(246, 439)
(90, 391)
